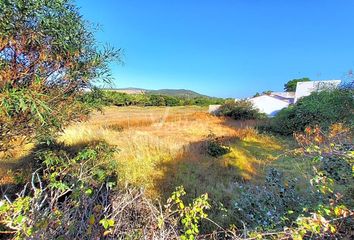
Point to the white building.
(304, 89)
(213, 109)
(271, 104)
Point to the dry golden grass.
(159, 146)
(13, 160)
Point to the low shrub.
(214, 147)
(63, 196)
(240, 110)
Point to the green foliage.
(291, 85)
(15, 215)
(66, 194)
(329, 215)
(106, 223)
(322, 108)
(189, 215)
(103, 97)
(47, 56)
(240, 110)
(38, 32)
(214, 146)
(257, 94)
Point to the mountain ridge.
(166, 91)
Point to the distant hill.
(176, 93)
(127, 90)
(167, 92)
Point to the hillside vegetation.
(176, 93)
(167, 92)
(108, 98)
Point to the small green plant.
(214, 146)
(190, 215)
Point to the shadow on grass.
(220, 177)
(200, 173)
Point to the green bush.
(214, 146)
(320, 108)
(240, 110)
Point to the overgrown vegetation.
(80, 185)
(322, 108)
(73, 195)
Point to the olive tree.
(48, 55)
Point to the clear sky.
(225, 48)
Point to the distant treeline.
(106, 98)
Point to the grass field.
(161, 148)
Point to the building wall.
(268, 105)
(304, 89)
(213, 109)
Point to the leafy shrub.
(48, 55)
(240, 110)
(290, 86)
(332, 153)
(189, 215)
(322, 108)
(214, 146)
(63, 195)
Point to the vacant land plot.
(164, 147)
(161, 148)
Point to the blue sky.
(225, 48)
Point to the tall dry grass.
(156, 144)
